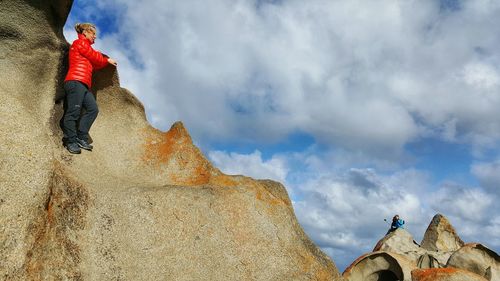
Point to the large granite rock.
(441, 236)
(377, 266)
(478, 259)
(144, 205)
(32, 51)
(401, 242)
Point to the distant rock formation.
(400, 242)
(440, 236)
(144, 205)
(444, 258)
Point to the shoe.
(73, 148)
(84, 144)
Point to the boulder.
(428, 261)
(478, 259)
(144, 205)
(377, 266)
(441, 236)
(444, 274)
(400, 242)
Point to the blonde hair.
(81, 27)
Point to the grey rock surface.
(400, 242)
(478, 259)
(144, 205)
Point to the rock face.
(377, 266)
(441, 236)
(144, 205)
(397, 255)
(478, 259)
(400, 242)
(31, 60)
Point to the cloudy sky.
(363, 109)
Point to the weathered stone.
(428, 261)
(441, 236)
(478, 259)
(444, 274)
(32, 51)
(438, 261)
(377, 266)
(144, 205)
(401, 242)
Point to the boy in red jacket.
(83, 60)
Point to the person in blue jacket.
(396, 223)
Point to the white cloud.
(250, 165)
(361, 75)
(367, 76)
(488, 175)
(344, 213)
(467, 203)
(481, 75)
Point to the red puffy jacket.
(83, 60)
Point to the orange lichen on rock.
(307, 262)
(53, 250)
(266, 191)
(309, 265)
(223, 180)
(200, 175)
(432, 273)
(267, 197)
(323, 275)
(436, 274)
(175, 154)
(160, 147)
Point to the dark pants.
(77, 97)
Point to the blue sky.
(363, 109)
